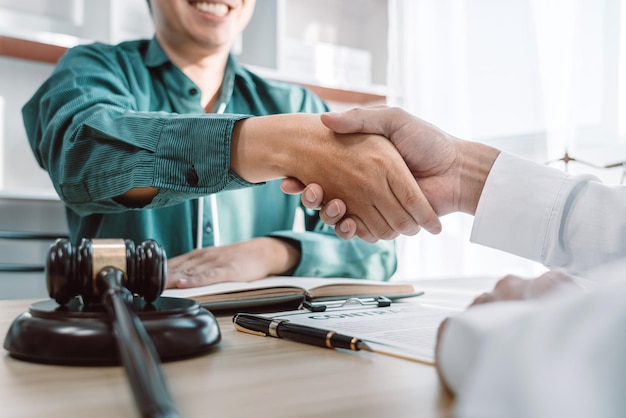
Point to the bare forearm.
(262, 149)
(251, 145)
(269, 147)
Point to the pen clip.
(377, 301)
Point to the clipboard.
(295, 302)
(403, 329)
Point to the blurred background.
(544, 79)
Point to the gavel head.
(72, 270)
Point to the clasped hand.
(448, 172)
(363, 169)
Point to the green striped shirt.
(115, 117)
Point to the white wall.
(27, 199)
(531, 77)
(18, 81)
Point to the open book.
(289, 290)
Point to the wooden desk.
(246, 376)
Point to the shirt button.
(208, 228)
(193, 91)
(192, 177)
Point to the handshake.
(380, 172)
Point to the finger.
(179, 272)
(313, 196)
(176, 278)
(343, 123)
(372, 121)
(383, 230)
(333, 212)
(362, 230)
(346, 228)
(371, 224)
(512, 287)
(549, 282)
(291, 185)
(175, 263)
(486, 297)
(193, 281)
(171, 282)
(557, 277)
(415, 211)
(195, 277)
(508, 282)
(182, 268)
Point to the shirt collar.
(239, 70)
(155, 56)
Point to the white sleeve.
(556, 358)
(546, 215)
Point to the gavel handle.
(139, 357)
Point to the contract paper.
(406, 330)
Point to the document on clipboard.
(403, 329)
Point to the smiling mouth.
(217, 9)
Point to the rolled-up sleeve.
(89, 128)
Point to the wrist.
(283, 255)
(476, 160)
(265, 148)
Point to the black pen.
(282, 328)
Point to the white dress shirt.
(561, 356)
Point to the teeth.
(218, 9)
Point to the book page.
(234, 287)
(407, 330)
(281, 285)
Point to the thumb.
(353, 121)
(342, 123)
(372, 120)
(291, 185)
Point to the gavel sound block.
(74, 327)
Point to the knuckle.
(482, 298)
(382, 231)
(413, 201)
(367, 237)
(407, 226)
(507, 281)
(389, 235)
(327, 220)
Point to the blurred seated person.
(135, 137)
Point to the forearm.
(109, 151)
(93, 127)
(264, 148)
(269, 147)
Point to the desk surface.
(246, 375)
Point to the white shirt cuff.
(518, 205)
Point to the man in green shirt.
(134, 137)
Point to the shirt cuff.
(519, 204)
